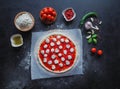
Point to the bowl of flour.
(24, 21)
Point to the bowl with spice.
(24, 21)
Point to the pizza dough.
(57, 53)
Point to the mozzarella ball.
(62, 40)
(58, 42)
(45, 55)
(45, 60)
(60, 54)
(58, 37)
(68, 46)
(60, 47)
(53, 56)
(56, 61)
(61, 64)
(53, 67)
(69, 57)
(49, 62)
(54, 39)
(52, 50)
(47, 51)
(47, 41)
(72, 50)
(45, 46)
(56, 50)
(66, 40)
(42, 52)
(62, 59)
(52, 44)
(67, 62)
(65, 51)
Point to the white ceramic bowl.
(12, 40)
(63, 13)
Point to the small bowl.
(27, 28)
(74, 14)
(47, 21)
(20, 38)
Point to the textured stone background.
(99, 73)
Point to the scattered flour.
(16, 84)
(25, 62)
(60, 26)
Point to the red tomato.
(99, 52)
(44, 16)
(45, 10)
(93, 50)
(52, 18)
(54, 13)
(68, 17)
(50, 10)
(41, 13)
(49, 17)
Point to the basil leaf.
(90, 40)
(94, 36)
(95, 41)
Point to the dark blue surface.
(99, 72)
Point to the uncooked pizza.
(57, 53)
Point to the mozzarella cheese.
(60, 54)
(45, 46)
(45, 55)
(47, 41)
(62, 59)
(42, 51)
(54, 39)
(47, 51)
(68, 46)
(45, 60)
(52, 50)
(60, 47)
(49, 62)
(58, 36)
(58, 42)
(67, 62)
(61, 64)
(53, 56)
(56, 50)
(72, 50)
(69, 57)
(56, 61)
(53, 67)
(65, 51)
(52, 44)
(66, 40)
(62, 40)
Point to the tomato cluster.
(48, 15)
(69, 14)
(94, 50)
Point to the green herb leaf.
(94, 36)
(95, 41)
(90, 40)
